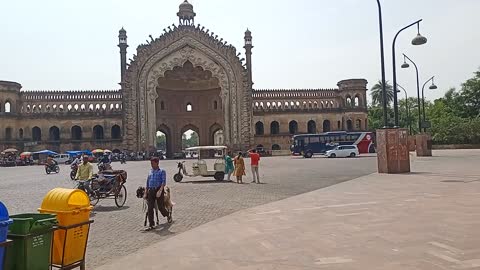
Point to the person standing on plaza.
(239, 168)
(228, 165)
(254, 160)
(154, 192)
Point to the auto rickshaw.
(199, 167)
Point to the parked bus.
(310, 144)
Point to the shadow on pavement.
(207, 182)
(100, 208)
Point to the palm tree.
(377, 95)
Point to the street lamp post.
(409, 125)
(406, 65)
(432, 87)
(418, 40)
(382, 60)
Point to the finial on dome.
(186, 16)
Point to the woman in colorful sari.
(239, 168)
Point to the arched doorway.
(259, 128)
(98, 133)
(116, 132)
(326, 126)
(349, 125)
(163, 140)
(36, 134)
(216, 135)
(311, 127)
(76, 133)
(190, 138)
(274, 128)
(293, 127)
(190, 92)
(54, 134)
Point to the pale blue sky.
(64, 45)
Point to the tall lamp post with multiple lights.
(409, 125)
(418, 40)
(431, 87)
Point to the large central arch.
(184, 44)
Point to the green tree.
(471, 96)
(161, 142)
(377, 94)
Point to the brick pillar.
(424, 145)
(392, 151)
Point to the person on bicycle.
(154, 194)
(85, 173)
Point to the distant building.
(187, 78)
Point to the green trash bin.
(32, 241)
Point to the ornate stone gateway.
(187, 78)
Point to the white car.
(61, 158)
(343, 151)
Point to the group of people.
(236, 165)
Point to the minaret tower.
(248, 53)
(122, 44)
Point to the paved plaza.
(117, 232)
(427, 220)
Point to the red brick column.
(392, 151)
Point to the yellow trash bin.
(72, 207)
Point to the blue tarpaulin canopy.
(76, 153)
(45, 152)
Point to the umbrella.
(25, 154)
(96, 151)
(10, 150)
(107, 151)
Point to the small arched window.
(189, 107)
(293, 127)
(162, 105)
(20, 133)
(274, 128)
(356, 101)
(8, 107)
(259, 128)
(215, 105)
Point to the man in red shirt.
(254, 159)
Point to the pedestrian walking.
(254, 160)
(239, 168)
(228, 165)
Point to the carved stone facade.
(187, 78)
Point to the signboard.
(426, 124)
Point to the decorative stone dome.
(185, 13)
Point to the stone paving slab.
(424, 220)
